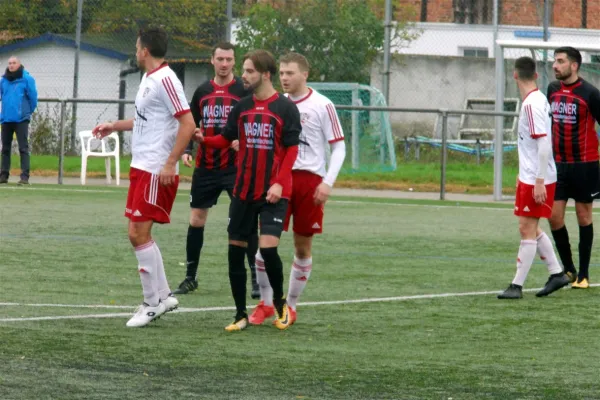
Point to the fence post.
(444, 154)
(417, 150)
(406, 149)
(61, 155)
(478, 151)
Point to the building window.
(483, 53)
(473, 11)
(595, 58)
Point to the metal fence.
(444, 141)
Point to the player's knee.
(137, 236)
(198, 217)
(303, 252)
(556, 221)
(584, 215)
(236, 256)
(259, 258)
(527, 230)
(269, 255)
(302, 245)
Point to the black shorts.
(578, 181)
(244, 218)
(207, 186)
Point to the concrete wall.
(442, 82)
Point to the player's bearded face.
(562, 68)
(251, 77)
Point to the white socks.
(266, 291)
(525, 258)
(163, 285)
(547, 254)
(148, 268)
(298, 277)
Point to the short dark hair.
(295, 58)
(155, 40)
(525, 68)
(263, 61)
(572, 54)
(223, 46)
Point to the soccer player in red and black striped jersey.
(268, 128)
(575, 107)
(215, 168)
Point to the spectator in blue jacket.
(19, 99)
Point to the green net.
(369, 140)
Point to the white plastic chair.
(86, 138)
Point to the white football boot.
(146, 314)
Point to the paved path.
(390, 194)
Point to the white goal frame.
(500, 83)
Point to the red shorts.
(308, 217)
(525, 205)
(147, 199)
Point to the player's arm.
(229, 134)
(106, 128)
(290, 135)
(184, 135)
(332, 130)
(187, 156)
(173, 97)
(594, 104)
(537, 131)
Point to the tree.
(196, 21)
(340, 38)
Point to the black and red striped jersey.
(575, 110)
(210, 107)
(265, 128)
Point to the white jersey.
(159, 100)
(534, 124)
(320, 126)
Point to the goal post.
(527, 47)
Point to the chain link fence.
(340, 38)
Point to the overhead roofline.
(61, 40)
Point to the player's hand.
(198, 136)
(274, 193)
(167, 174)
(539, 191)
(102, 130)
(322, 193)
(235, 145)
(187, 160)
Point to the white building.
(50, 60)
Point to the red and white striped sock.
(298, 277)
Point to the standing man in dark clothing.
(268, 128)
(215, 168)
(575, 106)
(19, 100)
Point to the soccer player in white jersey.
(162, 129)
(312, 182)
(536, 184)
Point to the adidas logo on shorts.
(137, 213)
(316, 226)
(526, 209)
